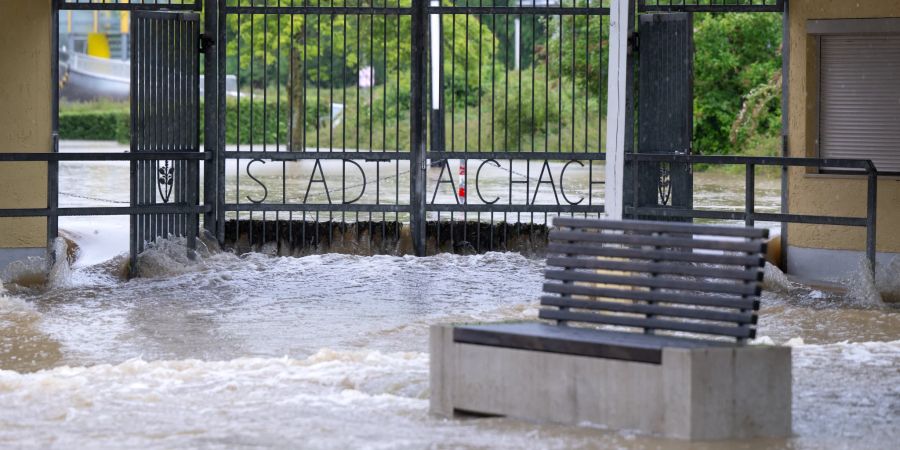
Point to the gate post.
(418, 123)
(210, 41)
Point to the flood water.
(330, 351)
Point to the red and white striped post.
(462, 181)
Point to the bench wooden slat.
(747, 318)
(576, 341)
(655, 267)
(664, 227)
(566, 340)
(752, 289)
(657, 296)
(754, 246)
(647, 254)
(660, 324)
(640, 276)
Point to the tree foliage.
(737, 66)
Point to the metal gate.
(405, 126)
(165, 105)
(665, 110)
(402, 126)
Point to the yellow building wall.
(25, 115)
(831, 194)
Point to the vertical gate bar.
(219, 143)
(133, 166)
(53, 166)
(138, 97)
(188, 51)
(148, 80)
(178, 112)
(153, 98)
(785, 125)
(193, 111)
(871, 215)
(184, 143)
(417, 126)
(164, 118)
(171, 68)
(750, 195)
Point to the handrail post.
(418, 122)
(211, 122)
(871, 215)
(53, 166)
(750, 194)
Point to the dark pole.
(871, 215)
(630, 185)
(220, 124)
(417, 126)
(750, 195)
(53, 166)
(785, 123)
(210, 113)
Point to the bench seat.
(543, 337)
(643, 326)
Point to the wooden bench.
(643, 327)
(659, 284)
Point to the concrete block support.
(697, 394)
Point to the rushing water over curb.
(330, 351)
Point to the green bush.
(95, 126)
(737, 76)
(522, 112)
(112, 122)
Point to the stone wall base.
(697, 394)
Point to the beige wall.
(25, 115)
(822, 194)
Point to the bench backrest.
(650, 276)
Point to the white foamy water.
(330, 352)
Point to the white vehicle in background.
(97, 66)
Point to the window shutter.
(860, 99)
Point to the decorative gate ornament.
(165, 181)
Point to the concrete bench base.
(697, 394)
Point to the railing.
(132, 5)
(711, 5)
(53, 212)
(749, 214)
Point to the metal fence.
(402, 125)
(387, 116)
(711, 5)
(129, 5)
(749, 215)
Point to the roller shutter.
(859, 115)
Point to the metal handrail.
(749, 215)
(52, 211)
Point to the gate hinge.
(206, 43)
(634, 42)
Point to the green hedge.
(95, 125)
(114, 124)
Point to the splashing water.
(775, 280)
(35, 273)
(887, 279)
(330, 351)
(862, 288)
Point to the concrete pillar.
(616, 103)
(25, 121)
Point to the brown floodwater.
(330, 351)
